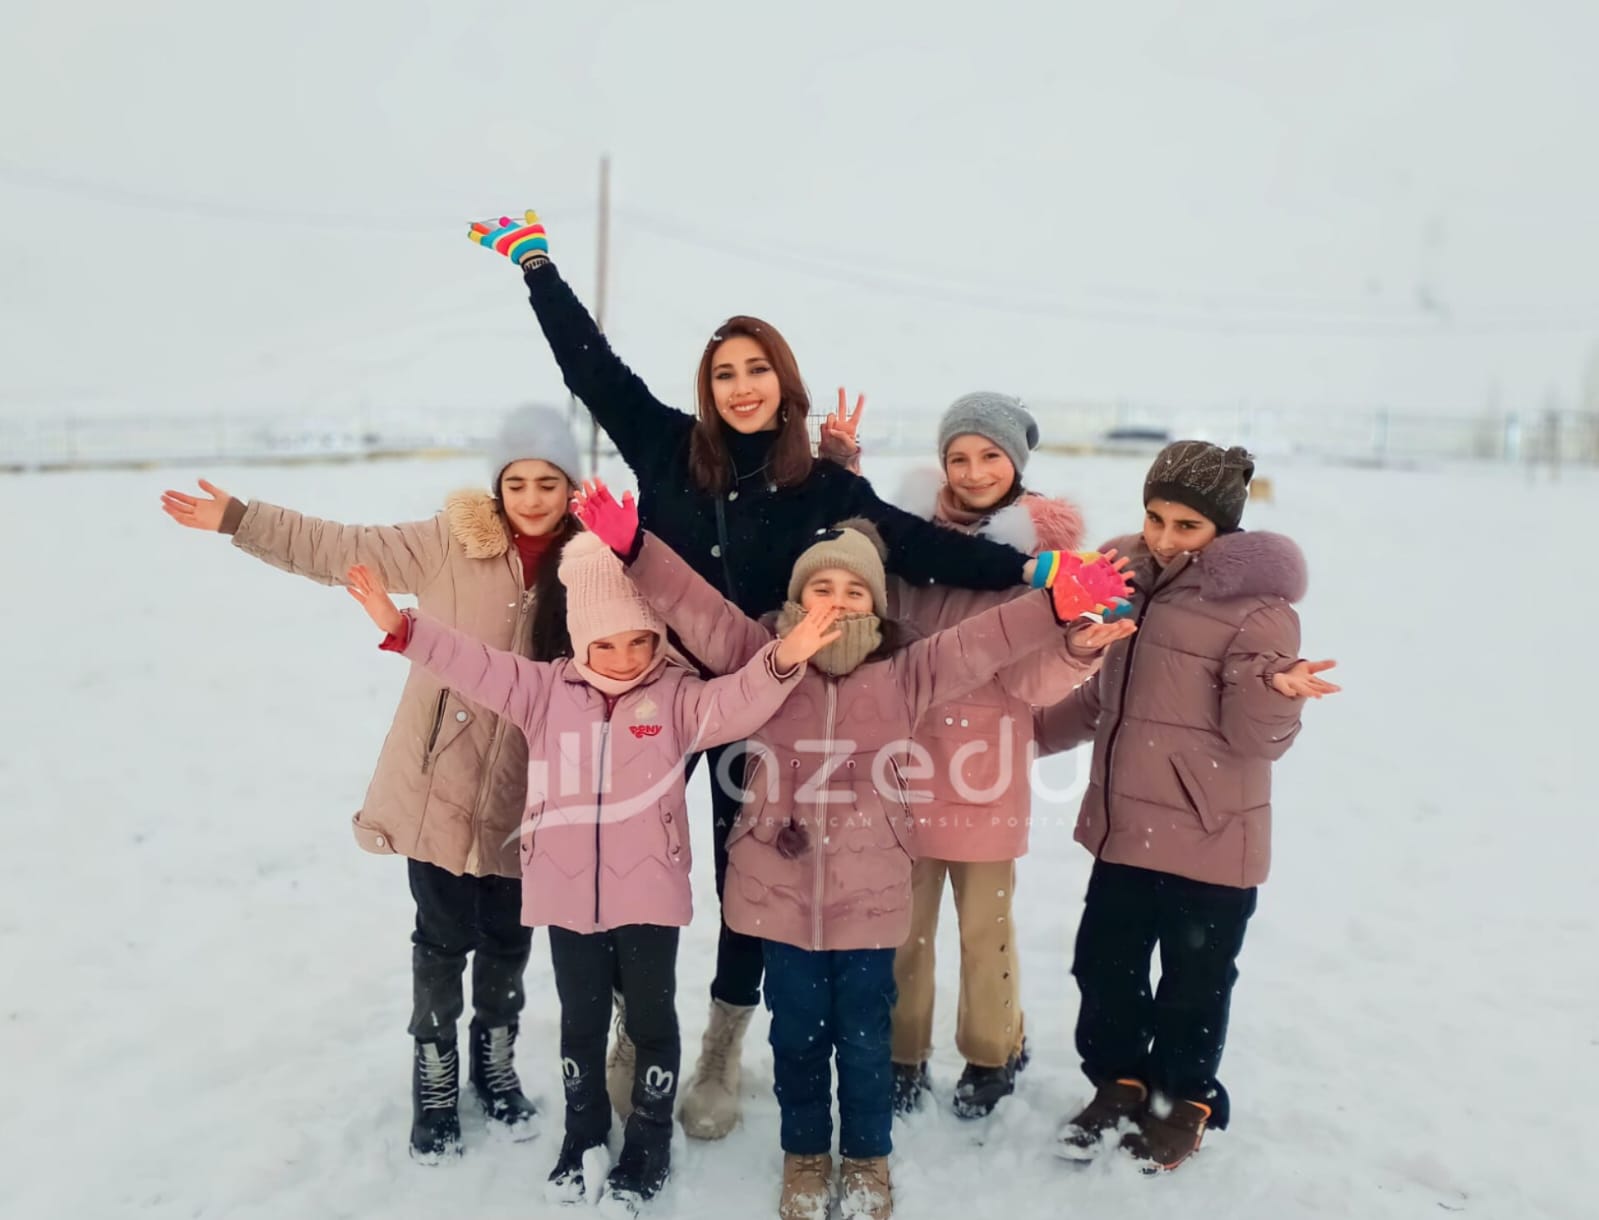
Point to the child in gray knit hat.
(998, 417)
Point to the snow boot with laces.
(435, 1091)
(866, 1192)
(710, 1104)
(1115, 1101)
(494, 1079)
(807, 1187)
(619, 1063)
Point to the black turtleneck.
(766, 526)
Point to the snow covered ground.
(206, 982)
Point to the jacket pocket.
(430, 743)
(1194, 792)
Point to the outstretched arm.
(923, 552)
(507, 684)
(406, 557)
(638, 423)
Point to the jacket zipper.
(599, 803)
(820, 847)
(485, 788)
(433, 733)
(1121, 708)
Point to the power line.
(1210, 314)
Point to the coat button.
(732, 495)
(716, 552)
(668, 817)
(964, 724)
(949, 720)
(378, 841)
(460, 715)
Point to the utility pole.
(601, 274)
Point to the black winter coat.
(766, 527)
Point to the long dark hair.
(709, 464)
(551, 639)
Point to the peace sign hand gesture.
(839, 437)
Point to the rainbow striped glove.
(1083, 584)
(521, 241)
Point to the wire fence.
(1367, 437)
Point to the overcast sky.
(1262, 201)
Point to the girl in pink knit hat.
(604, 845)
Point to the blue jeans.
(837, 1001)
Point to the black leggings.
(456, 916)
(739, 958)
(643, 958)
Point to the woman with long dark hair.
(736, 491)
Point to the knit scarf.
(862, 633)
(949, 508)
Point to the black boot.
(435, 1089)
(565, 1184)
(912, 1084)
(980, 1089)
(639, 1173)
(494, 1079)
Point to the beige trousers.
(988, 1022)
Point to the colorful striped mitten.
(1083, 584)
(520, 241)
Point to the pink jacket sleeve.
(720, 635)
(1070, 722)
(962, 658)
(1043, 678)
(508, 685)
(1255, 719)
(732, 707)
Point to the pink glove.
(616, 525)
(1083, 584)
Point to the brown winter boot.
(807, 1187)
(1170, 1134)
(1082, 1138)
(866, 1193)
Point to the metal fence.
(1365, 436)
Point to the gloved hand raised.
(616, 525)
(1085, 584)
(523, 242)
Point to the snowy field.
(206, 981)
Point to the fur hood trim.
(475, 521)
(1033, 523)
(1249, 563)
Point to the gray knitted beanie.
(998, 417)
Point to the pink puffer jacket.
(605, 841)
(979, 794)
(1184, 724)
(835, 760)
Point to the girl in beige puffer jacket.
(1186, 717)
(451, 779)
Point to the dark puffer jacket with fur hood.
(451, 780)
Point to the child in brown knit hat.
(1186, 718)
